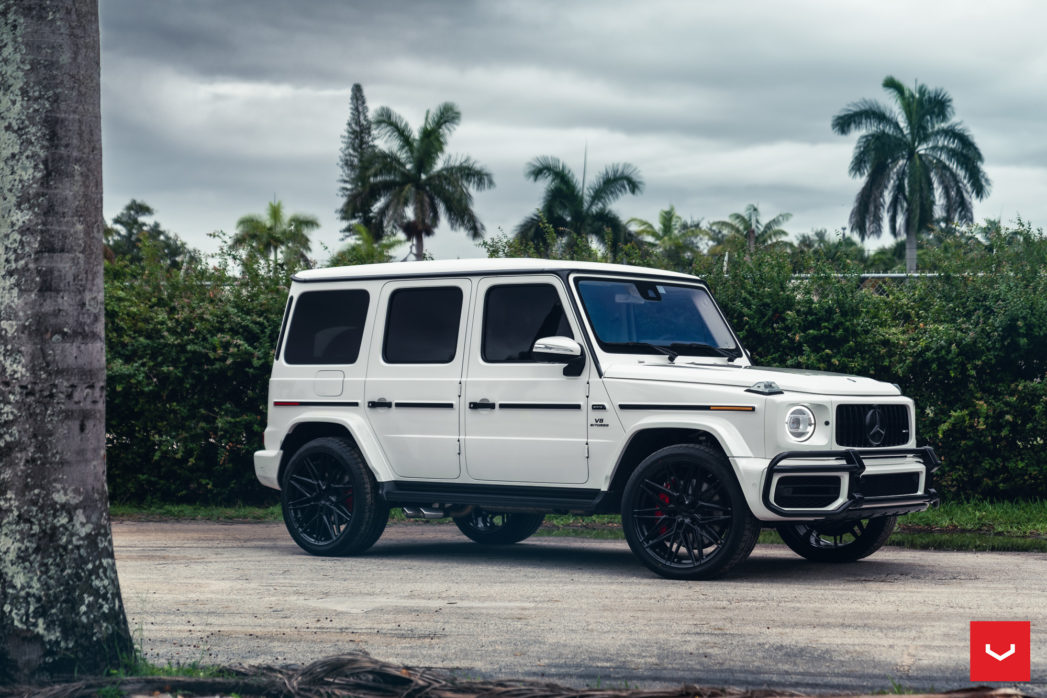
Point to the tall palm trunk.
(910, 248)
(60, 605)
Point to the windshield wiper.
(669, 353)
(685, 347)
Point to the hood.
(789, 379)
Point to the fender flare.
(718, 427)
(359, 430)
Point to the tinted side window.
(516, 315)
(422, 325)
(326, 327)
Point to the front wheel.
(330, 500)
(685, 516)
(497, 528)
(845, 541)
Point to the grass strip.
(193, 512)
(973, 525)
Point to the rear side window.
(422, 325)
(326, 327)
(516, 316)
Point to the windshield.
(646, 317)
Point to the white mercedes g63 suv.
(497, 391)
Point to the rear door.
(415, 368)
(524, 420)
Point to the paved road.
(580, 612)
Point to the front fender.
(721, 428)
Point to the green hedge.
(190, 353)
(969, 345)
(189, 356)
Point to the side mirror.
(560, 350)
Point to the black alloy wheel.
(685, 516)
(330, 500)
(498, 528)
(843, 541)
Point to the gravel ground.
(576, 611)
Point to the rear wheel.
(844, 541)
(684, 514)
(498, 528)
(330, 500)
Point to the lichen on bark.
(60, 606)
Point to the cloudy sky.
(211, 108)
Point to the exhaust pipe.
(423, 513)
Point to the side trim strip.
(688, 408)
(436, 405)
(560, 499)
(314, 403)
(538, 406)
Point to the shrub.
(189, 356)
(190, 352)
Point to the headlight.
(799, 423)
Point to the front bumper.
(850, 483)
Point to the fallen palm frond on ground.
(360, 676)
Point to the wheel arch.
(644, 442)
(311, 427)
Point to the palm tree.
(414, 182)
(574, 208)
(914, 160)
(833, 247)
(746, 230)
(364, 249)
(267, 236)
(677, 240)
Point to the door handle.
(381, 402)
(484, 404)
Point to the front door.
(524, 420)
(414, 373)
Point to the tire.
(845, 541)
(498, 528)
(330, 500)
(685, 516)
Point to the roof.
(470, 267)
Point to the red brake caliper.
(663, 528)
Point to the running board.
(440, 495)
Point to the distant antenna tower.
(585, 165)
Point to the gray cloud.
(211, 108)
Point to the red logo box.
(1000, 650)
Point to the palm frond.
(867, 115)
(389, 124)
(876, 147)
(615, 181)
(897, 205)
(867, 214)
(467, 172)
(552, 170)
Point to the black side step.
(497, 497)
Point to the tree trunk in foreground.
(60, 606)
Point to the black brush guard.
(856, 505)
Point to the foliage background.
(189, 353)
(190, 350)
